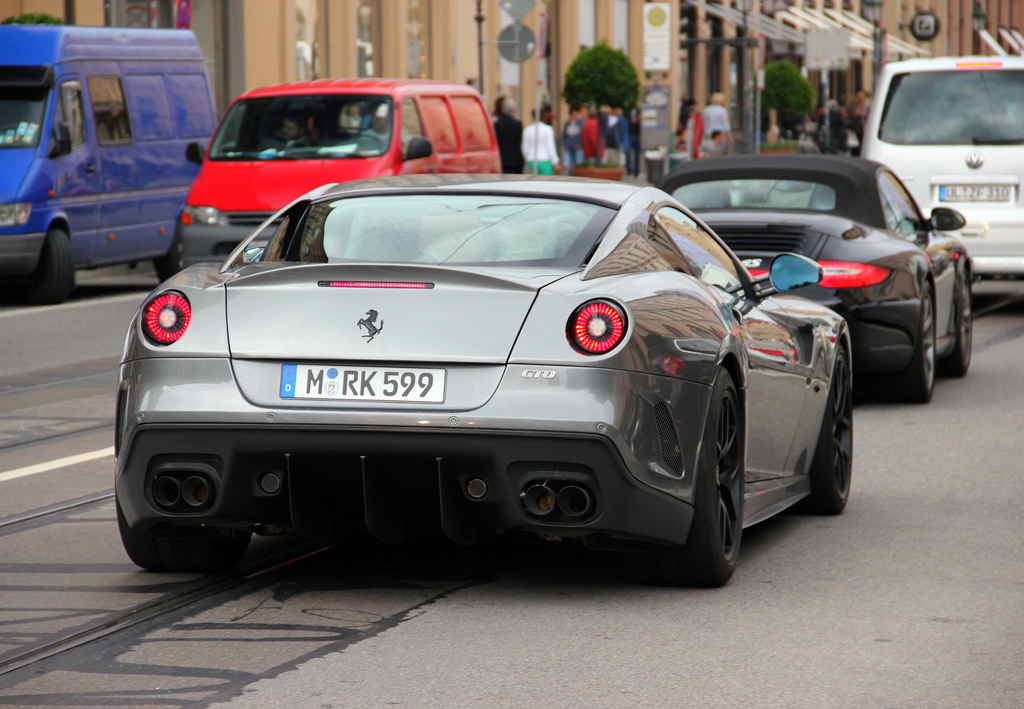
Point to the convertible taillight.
(844, 274)
(165, 318)
(596, 327)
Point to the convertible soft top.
(854, 179)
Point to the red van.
(278, 142)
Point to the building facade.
(250, 43)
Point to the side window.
(439, 123)
(109, 110)
(705, 257)
(901, 215)
(471, 120)
(412, 127)
(74, 115)
(149, 103)
(190, 105)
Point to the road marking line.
(54, 464)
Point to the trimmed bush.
(786, 88)
(602, 76)
(33, 18)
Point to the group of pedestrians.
(704, 133)
(588, 135)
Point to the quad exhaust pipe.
(183, 491)
(556, 500)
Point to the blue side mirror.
(790, 271)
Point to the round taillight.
(596, 327)
(165, 318)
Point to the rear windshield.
(21, 116)
(491, 230)
(305, 127)
(758, 194)
(955, 108)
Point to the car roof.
(855, 180)
(603, 192)
(356, 86)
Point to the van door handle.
(90, 168)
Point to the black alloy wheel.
(832, 466)
(957, 362)
(709, 556)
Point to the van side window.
(439, 123)
(149, 103)
(471, 120)
(192, 118)
(74, 115)
(412, 127)
(109, 110)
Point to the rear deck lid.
(390, 313)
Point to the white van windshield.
(958, 107)
(305, 127)
(21, 116)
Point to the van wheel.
(54, 277)
(171, 262)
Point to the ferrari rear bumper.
(579, 459)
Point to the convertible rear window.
(758, 194)
(493, 230)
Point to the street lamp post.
(742, 75)
(873, 14)
(979, 20)
(479, 17)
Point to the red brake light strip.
(375, 284)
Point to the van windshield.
(21, 116)
(305, 127)
(955, 108)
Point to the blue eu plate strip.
(288, 372)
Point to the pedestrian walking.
(616, 138)
(589, 137)
(716, 117)
(509, 131)
(539, 149)
(572, 140)
(633, 155)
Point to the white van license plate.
(975, 193)
(341, 383)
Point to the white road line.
(54, 464)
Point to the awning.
(992, 43)
(862, 31)
(1020, 37)
(1011, 40)
(757, 22)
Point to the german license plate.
(342, 383)
(975, 193)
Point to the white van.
(952, 128)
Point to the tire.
(916, 383)
(708, 559)
(205, 549)
(957, 362)
(170, 263)
(832, 465)
(54, 277)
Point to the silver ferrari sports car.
(549, 359)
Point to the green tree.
(33, 18)
(602, 76)
(786, 88)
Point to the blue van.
(94, 124)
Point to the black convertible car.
(902, 283)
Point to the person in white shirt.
(716, 117)
(539, 149)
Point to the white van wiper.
(997, 141)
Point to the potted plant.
(601, 76)
(785, 91)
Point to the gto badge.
(974, 160)
(369, 323)
(538, 374)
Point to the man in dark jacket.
(509, 131)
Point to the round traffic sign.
(516, 42)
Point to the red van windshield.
(305, 127)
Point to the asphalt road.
(914, 598)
